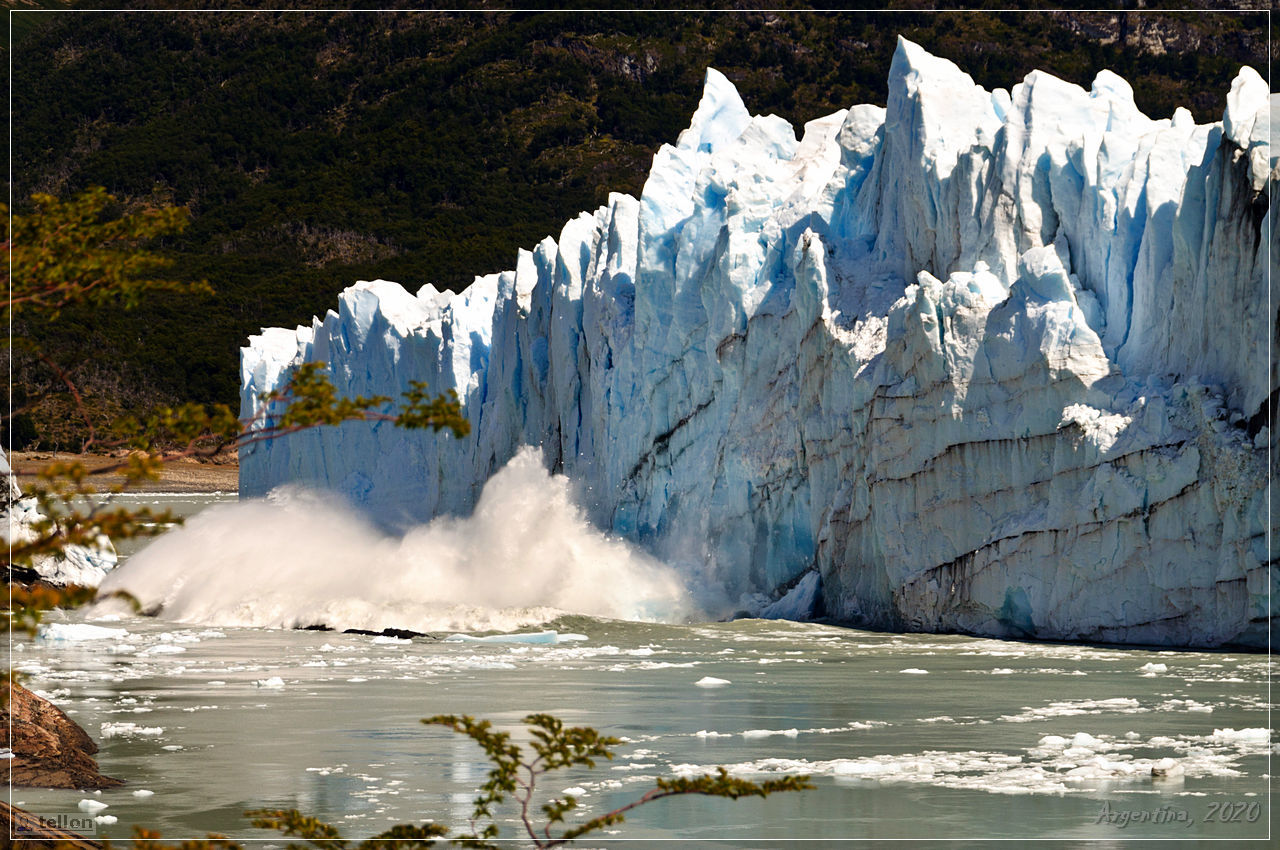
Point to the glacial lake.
(906, 736)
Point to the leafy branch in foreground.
(90, 250)
(323, 835)
(77, 250)
(86, 251)
(66, 509)
(555, 747)
(146, 839)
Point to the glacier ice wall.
(993, 362)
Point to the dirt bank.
(181, 476)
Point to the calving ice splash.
(525, 556)
(981, 361)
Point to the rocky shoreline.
(48, 749)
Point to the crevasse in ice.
(993, 362)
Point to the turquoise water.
(906, 736)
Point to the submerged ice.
(980, 361)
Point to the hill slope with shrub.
(317, 148)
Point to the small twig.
(75, 394)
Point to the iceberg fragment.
(547, 637)
(84, 565)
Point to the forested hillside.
(316, 148)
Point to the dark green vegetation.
(315, 149)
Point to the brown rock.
(21, 829)
(49, 749)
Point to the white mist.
(525, 556)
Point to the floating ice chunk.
(1241, 736)
(1185, 705)
(1167, 768)
(91, 806)
(1100, 767)
(1152, 668)
(1069, 708)
(576, 791)
(483, 664)
(105, 819)
(116, 730)
(768, 733)
(54, 695)
(915, 671)
(84, 565)
(703, 733)
(79, 632)
(273, 682)
(711, 682)
(143, 792)
(533, 637)
(178, 637)
(1084, 739)
(387, 639)
(163, 649)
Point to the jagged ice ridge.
(993, 362)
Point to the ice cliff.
(993, 362)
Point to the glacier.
(993, 362)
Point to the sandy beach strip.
(180, 476)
